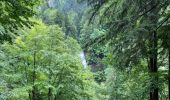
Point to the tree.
(68, 14)
(135, 24)
(42, 65)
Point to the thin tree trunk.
(33, 77)
(169, 75)
(34, 74)
(49, 94)
(33, 93)
(153, 68)
(30, 97)
(26, 75)
(49, 69)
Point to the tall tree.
(135, 24)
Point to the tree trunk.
(33, 79)
(153, 68)
(49, 94)
(34, 75)
(30, 96)
(33, 93)
(169, 75)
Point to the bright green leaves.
(45, 61)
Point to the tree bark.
(169, 74)
(153, 68)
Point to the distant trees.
(68, 14)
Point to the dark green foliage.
(14, 14)
(68, 14)
(133, 33)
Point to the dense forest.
(84, 49)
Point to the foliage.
(15, 14)
(67, 14)
(126, 45)
(133, 33)
(42, 61)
